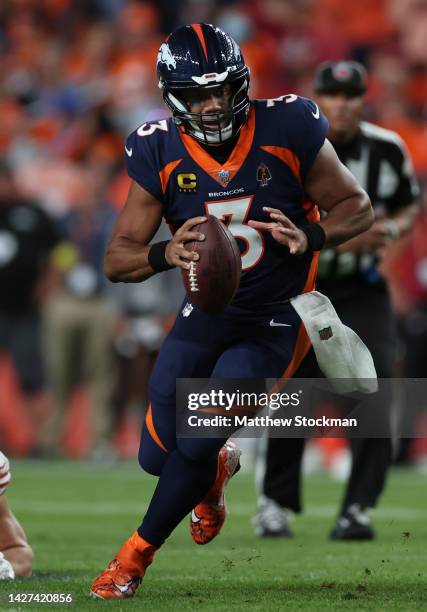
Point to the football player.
(16, 555)
(263, 167)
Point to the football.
(213, 279)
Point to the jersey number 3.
(234, 213)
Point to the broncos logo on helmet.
(201, 56)
(166, 56)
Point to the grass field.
(76, 515)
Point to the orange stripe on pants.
(152, 431)
(302, 347)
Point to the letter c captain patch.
(187, 182)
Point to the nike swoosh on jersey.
(129, 151)
(316, 115)
(194, 517)
(274, 324)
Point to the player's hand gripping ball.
(212, 280)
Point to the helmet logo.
(236, 50)
(165, 56)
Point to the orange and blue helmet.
(202, 56)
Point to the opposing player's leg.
(15, 553)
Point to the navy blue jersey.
(267, 167)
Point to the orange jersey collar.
(236, 159)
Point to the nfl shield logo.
(325, 333)
(224, 177)
(187, 310)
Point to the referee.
(348, 275)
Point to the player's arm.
(127, 255)
(334, 189)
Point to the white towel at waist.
(340, 353)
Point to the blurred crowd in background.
(76, 76)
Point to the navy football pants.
(201, 346)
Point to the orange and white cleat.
(126, 571)
(208, 517)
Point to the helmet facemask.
(210, 128)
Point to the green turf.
(76, 515)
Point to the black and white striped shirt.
(379, 160)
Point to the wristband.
(157, 256)
(316, 236)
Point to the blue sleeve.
(310, 131)
(141, 164)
